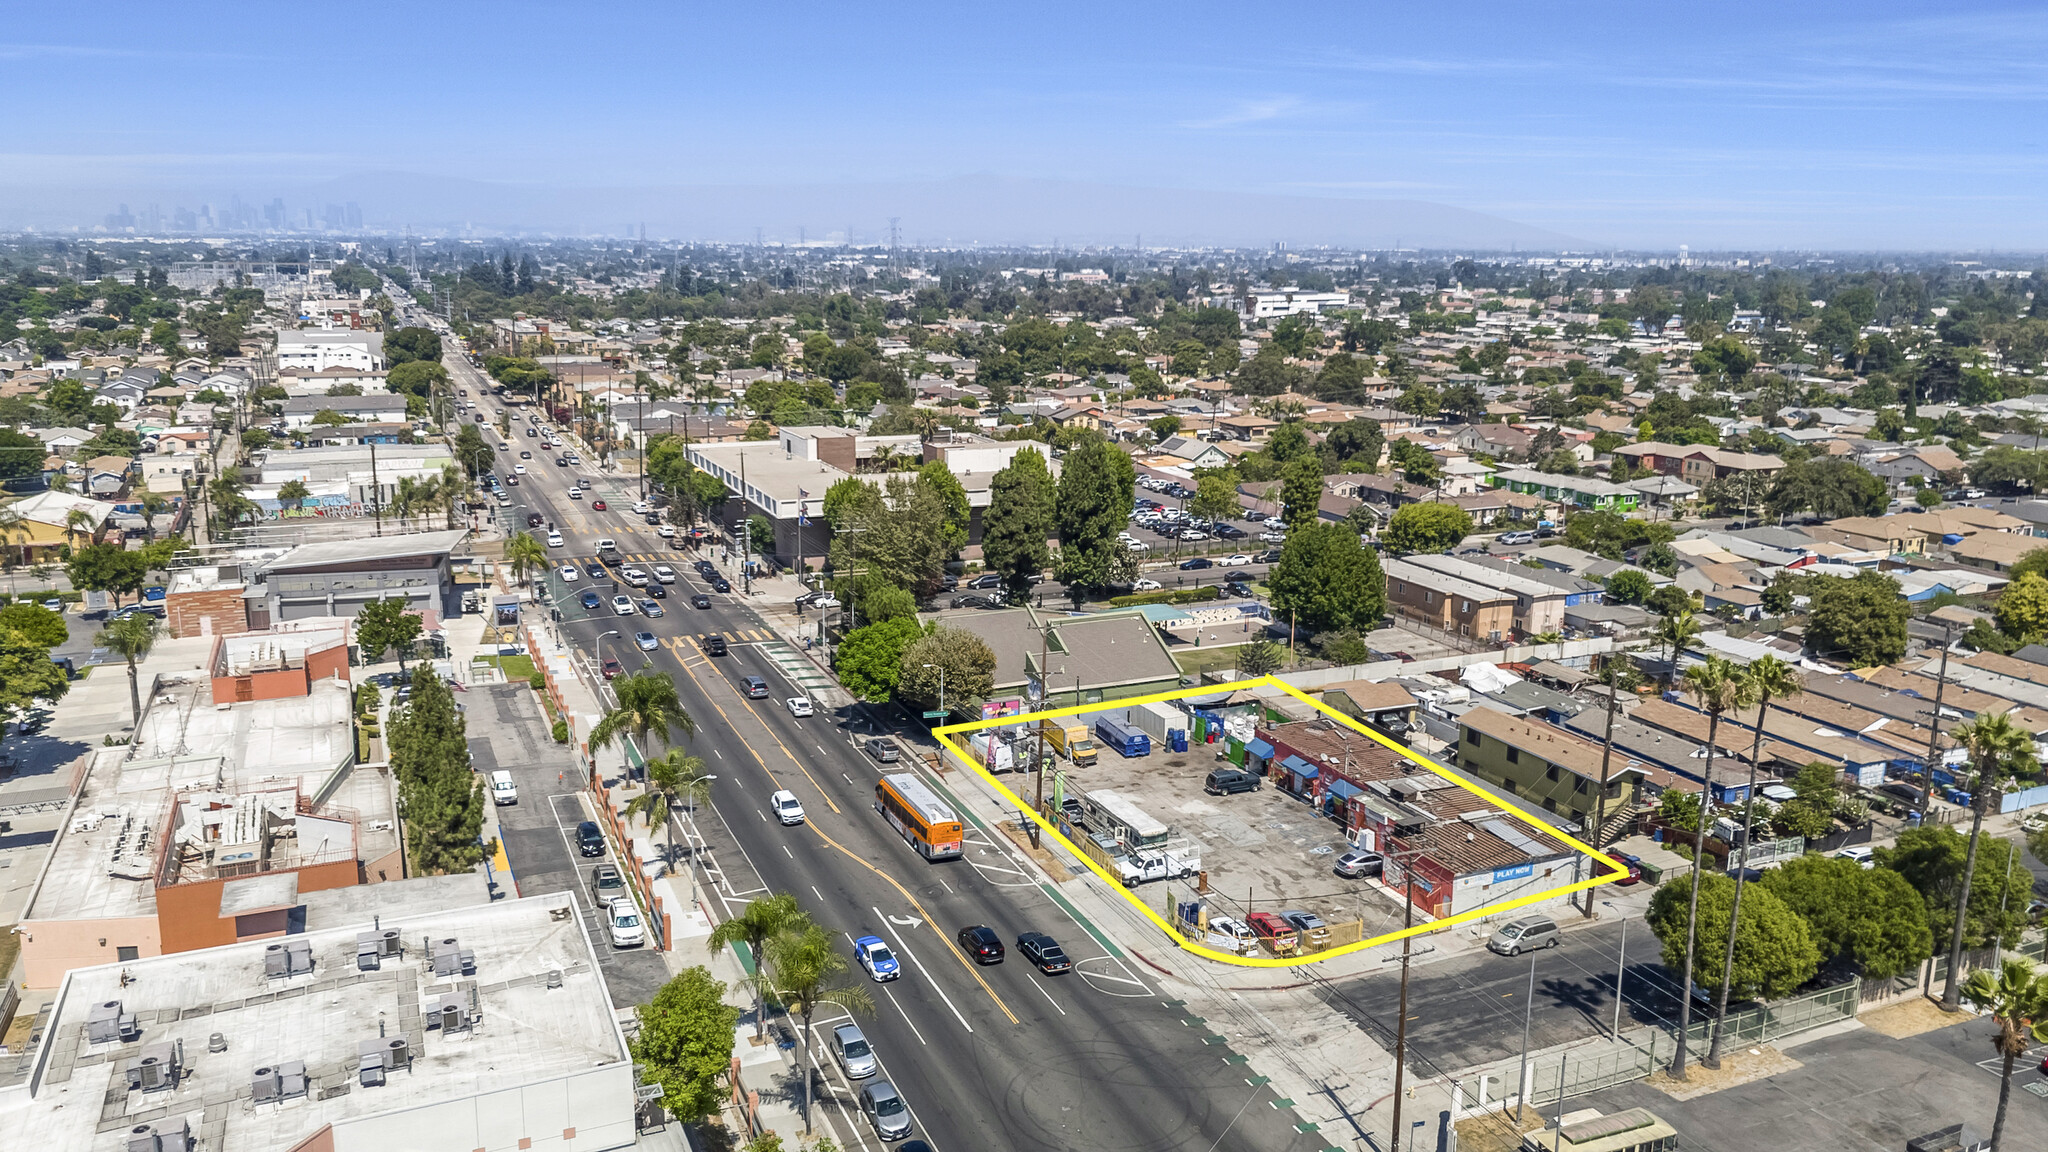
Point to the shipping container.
(1126, 740)
(1156, 719)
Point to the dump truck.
(1070, 740)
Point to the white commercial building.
(318, 349)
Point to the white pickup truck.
(1144, 867)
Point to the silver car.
(854, 1053)
(886, 1110)
(1518, 936)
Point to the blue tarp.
(1299, 767)
(1260, 748)
(1343, 789)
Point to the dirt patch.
(1047, 861)
(1495, 1131)
(1911, 1018)
(1739, 1066)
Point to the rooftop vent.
(291, 958)
(170, 1136)
(107, 1024)
(450, 958)
(279, 1082)
(216, 1042)
(158, 1067)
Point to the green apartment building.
(1582, 491)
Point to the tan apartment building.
(1448, 602)
(1545, 765)
(1539, 607)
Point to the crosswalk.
(672, 559)
(690, 640)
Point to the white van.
(503, 791)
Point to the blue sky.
(1736, 125)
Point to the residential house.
(107, 475)
(1582, 491)
(1193, 453)
(1500, 441)
(1539, 606)
(1697, 464)
(1546, 765)
(1449, 603)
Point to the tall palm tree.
(450, 489)
(1675, 632)
(648, 706)
(2018, 1001)
(14, 535)
(131, 638)
(761, 920)
(525, 555)
(78, 523)
(673, 780)
(404, 498)
(1994, 744)
(809, 971)
(1716, 685)
(1769, 678)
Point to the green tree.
(106, 568)
(1627, 586)
(525, 555)
(648, 708)
(27, 674)
(809, 971)
(471, 452)
(382, 625)
(1164, 428)
(1859, 622)
(1326, 579)
(1774, 952)
(1259, 658)
(1996, 746)
(685, 1043)
(2022, 609)
(1717, 686)
(939, 479)
(1828, 486)
(34, 623)
(870, 659)
(1344, 646)
(1931, 860)
(439, 796)
(130, 638)
(674, 780)
(950, 660)
(1811, 812)
(1301, 491)
(1867, 917)
(292, 493)
(1017, 527)
(1093, 505)
(1215, 496)
(763, 919)
(1427, 527)
(2018, 1001)
(894, 533)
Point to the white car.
(826, 601)
(1239, 558)
(622, 605)
(554, 539)
(788, 808)
(519, 469)
(640, 507)
(569, 574)
(1136, 546)
(1274, 522)
(1274, 537)
(634, 577)
(575, 493)
(798, 705)
(666, 531)
(664, 573)
(1146, 586)
(627, 931)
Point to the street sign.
(934, 715)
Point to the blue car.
(874, 955)
(592, 601)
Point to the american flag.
(802, 521)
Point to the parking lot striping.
(891, 929)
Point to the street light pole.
(1401, 1027)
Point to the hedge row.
(1166, 596)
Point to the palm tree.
(2018, 1001)
(525, 555)
(1675, 632)
(675, 779)
(760, 921)
(404, 498)
(1768, 677)
(78, 522)
(809, 971)
(131, 637)
(1716, 685)
(449, 490)
(648, 706)
(1994, 743)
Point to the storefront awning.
(1260, 748)
(1343, 789)
(1299, 767)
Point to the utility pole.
(1948, 638)
(376, 491)
(1528, 1010)
(1401, 1027)
(1044, 697)
(1606, 757)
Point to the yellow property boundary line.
(946, 733)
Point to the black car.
(1269, 556)
(1228, 781)
(589, 840)
(706, 568)
(656, 589)
(1043, 951)
(1237, 588)
(987, 580)
(1230, 532)
(981, 942)
(592, 601)
(882, 749)
(970, 600)
(1195, 562)
(561, 461)
(720, 584)
(700, 600)
(714, 645)
(596, 571)
(949, 583)
(652, 518)
(533, 519)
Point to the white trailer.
(1155, 719)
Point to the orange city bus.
(924, 820)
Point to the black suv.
(1227, 781)
(981, 942)
(714, 645)
(589, 840)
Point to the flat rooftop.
(521, 1031)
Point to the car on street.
(881, 749)
(1044, 951)
(606, 885)
(627, 931)
(700, 600)
(798, 705)
(855, 1055)
(612, 669)
(1234, 561)
(569, 573)
(666, 531)
(1230, 781)
(622, 605)
(755, 687)
(1269, 556)
(1523, 934)
(633, 576)
(981, 944)
(554, 539)
(719, 583)
(713, 644)
(592, 601)
(519, 469)
(986, 580)
(788, 808)
(885, 1109)
(970, 600)
(664, 573)
(640, 507)
(874, 958)
(575, 493)
(1193, 563)
(1359, 863)
(647, 641)
(526, 455)
(1144, 585)
(651, 609)
(1136, 546)
(596, 571)
(589, 840)
(1516, 538)
(597, 506)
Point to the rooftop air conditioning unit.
(108, 1024)
(168, 1136)
(158, 1067)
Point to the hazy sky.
(1766, 125)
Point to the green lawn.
(517, 669)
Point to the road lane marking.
(787, 852)
(906, 1016)
(927, 974)
(1040, 985)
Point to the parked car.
(1860, 853)
(1523, 934)
(1234, 561)
(855, 1055)
(1043, 951)
(611, 668)
(606, 885)
(875, 958)
(1517, 538)
(788, 808)
(970, 600)
(589, 840)
(1194, 563)
(881, 749)
(1230, 781)
(981, 944)
(885, 1109)
(1313, 932)
(627, 931)
(1275, 933)
(1359, 863)
(1274, 537)
(503, 790)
